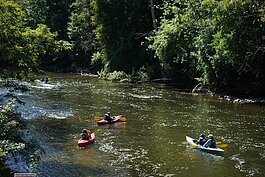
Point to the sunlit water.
(150, 143)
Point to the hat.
(108, 112)
(210, 136)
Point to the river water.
(151, 141)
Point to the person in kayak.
(210, 142)
(85, 135)
(202, 140)
(107, 117)
(45, 80)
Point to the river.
(151, 141)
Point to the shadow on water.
(52, 168)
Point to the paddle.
(98, 118)
(184, 142)
(122, 119)
(219, 144)
(194, 146)
(222, 145)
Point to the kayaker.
(210, 142)
(202, 140)
(107, 117)
(45, 80)
(85, 135)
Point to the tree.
(220, 42)
(21, 46)
(120, 27)
(239, 45)
(80, 31)
(172, 43)
(53, 13)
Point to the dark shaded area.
(4, 171)
(71, 169)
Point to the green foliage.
(34, 159)
(221, 42)
(9, 120)
(237, 44)
(53, 13)
(2, 152)
(97, 57)
(8, 146)
(11, 23)
(37, 11)
(20, 45)
(9, 124)
(120, 27)
(145, 73)
(80, 31)
(115, 76)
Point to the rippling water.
(150, 142)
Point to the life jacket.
(202, 141)
(107, 117)
(212, 143)
(84, 136)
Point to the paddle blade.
(123, 119)
(97, 118)
(194, 146)
(223, 145)
(185, 142)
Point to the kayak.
(216, 151)
(115, 119)
(83, 143)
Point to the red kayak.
(83, 143)
(115, 119)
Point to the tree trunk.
(153, 14)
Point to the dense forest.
(218, 43)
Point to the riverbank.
(240, 100)
(17, 152)
(235, 98)
(190, 87)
